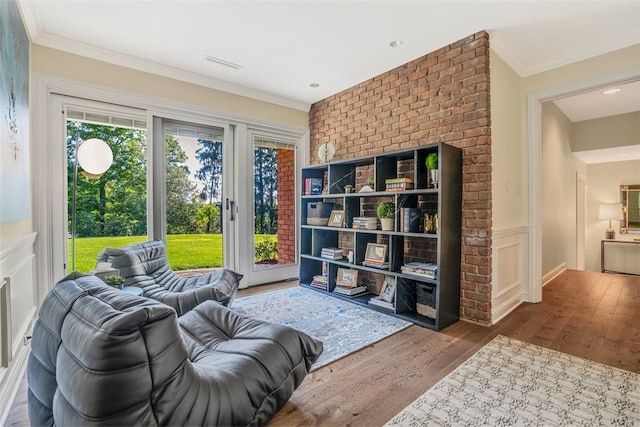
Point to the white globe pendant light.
(95, 156)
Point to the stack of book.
(398, 184)
(375, 264)
(421, 269)
(332, 253)
(320, 282)
(350, 292)
(378, 301)
(365, 222)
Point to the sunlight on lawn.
(185, 251)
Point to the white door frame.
(534, 125)
(581, 219)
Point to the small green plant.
(386, 210)
(267, 249)
(114, 280)
(432, 161)
(370, 182)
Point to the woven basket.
(317, 221)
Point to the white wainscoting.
(17, 314)
(510, 270)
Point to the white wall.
(604, 187)
(559, 169)
(507, 148)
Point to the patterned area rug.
(509, 382)
(342, 327)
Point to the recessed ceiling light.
(611, 91)
(396, 43)
(222, 62)
(314, 84)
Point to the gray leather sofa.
(101, 356)
(145, 265)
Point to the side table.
(613, 241)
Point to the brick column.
(286, 207)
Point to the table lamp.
(611, 211)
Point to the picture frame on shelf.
(388, 290)
(336, 219)
(375, 253)
(347, 277)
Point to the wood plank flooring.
(590, 315)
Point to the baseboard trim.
(553, 274)
(12, 382)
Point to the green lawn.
(185, 251)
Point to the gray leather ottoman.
(104, 357)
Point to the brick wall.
(440, 97)
(286, 207)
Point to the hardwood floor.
(592, 315)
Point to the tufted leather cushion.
(145, 265)
(104, 357)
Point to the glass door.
(274, 210)
(197, 203)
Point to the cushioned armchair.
(145, 265)
(101, 356)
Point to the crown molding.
(511, 58)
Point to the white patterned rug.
(509, 382)
(342, 327)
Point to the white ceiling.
(284, 46)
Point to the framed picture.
(347, 278)
(375, 253)
(388, 290)
(336, 219)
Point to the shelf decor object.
(415, 266)
(336, 219)
(347, 278)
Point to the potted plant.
(386, 211)
(114, 280)
(369, 187)
(432, 166)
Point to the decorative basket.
(426, 300)
(318, 213)
(317, 221)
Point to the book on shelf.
(364, 223)
(320, 282)
(375, 264)
(377, 301)
(410, 220)
(313, 186)
(332, 253)
(350, 291)
(398, 184)
(421, 269)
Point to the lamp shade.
(95, 156)
(611, 211)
